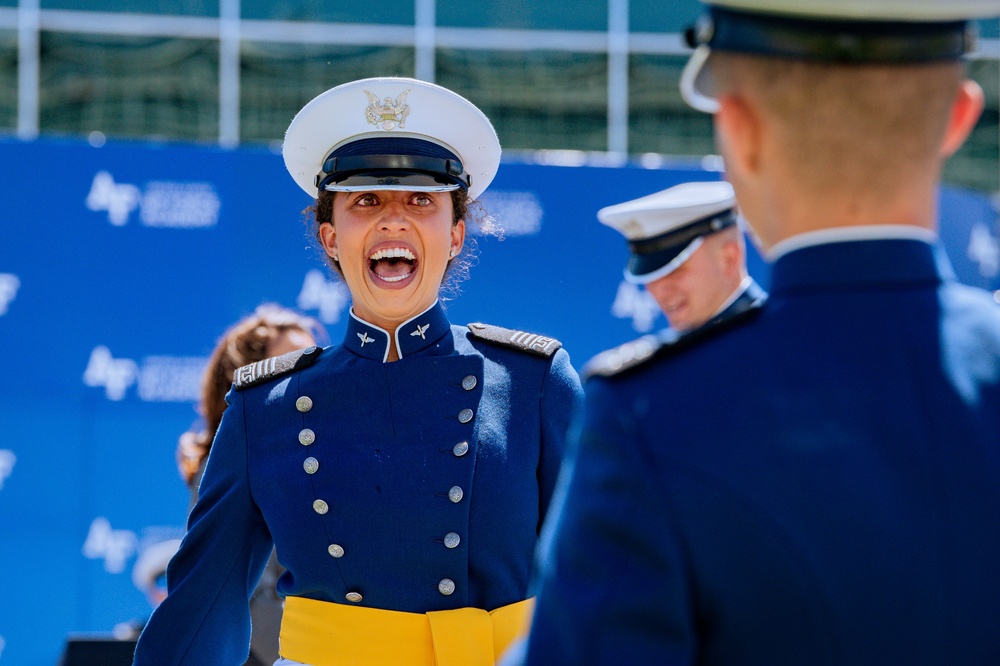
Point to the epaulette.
(521, 340)
(667, 343)
(623, 357)
(276, 366)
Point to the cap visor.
(646, 268)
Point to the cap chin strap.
(693, 71)
(397, 184)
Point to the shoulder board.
(520, 340)
(623, 357)
(633, 354)
(276, 366)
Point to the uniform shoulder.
(257, 373)
(667, 343)
(626, 356)
(531, 343)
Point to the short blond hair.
(855, 126)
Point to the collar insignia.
(421, 330)
(365, 339)
(387, 114)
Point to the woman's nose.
(394, 217)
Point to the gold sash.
(328, 634)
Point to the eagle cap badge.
(387, 114)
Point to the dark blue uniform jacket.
(819, 484)
(388, 480)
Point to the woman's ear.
(965, 111)
(457, 238)
(328, 237)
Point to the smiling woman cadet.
(403, 474)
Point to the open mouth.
(392, 264)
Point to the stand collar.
(413, 335)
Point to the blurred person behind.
(270, 331)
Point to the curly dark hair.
(244, 342)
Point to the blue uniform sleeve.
(561, 398)
(205, 618)
(612, 584)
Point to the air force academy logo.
(116, 375)
(118, 199)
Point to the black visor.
(396, 163)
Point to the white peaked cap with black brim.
(391, 134)
(664, 229)
(837, 31)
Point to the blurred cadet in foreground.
(271, 330)
(817, 481)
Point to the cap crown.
(668, 210)
(390, 108)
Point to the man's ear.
(738, 134)
(965, 111)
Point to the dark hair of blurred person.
(271, 330)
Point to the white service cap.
(665, 228)
(842, 31)
(391, 134)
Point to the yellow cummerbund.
(320, 633)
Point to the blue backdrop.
(121, 265)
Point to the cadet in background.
(686, 247)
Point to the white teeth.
(395, 279)
(392, 253)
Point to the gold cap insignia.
(387, 114)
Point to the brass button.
(451, 540)
(465, 415)
(304, 404)
(469, 382)
(455, 494)
(306, 437)
(460, 449)
(320, 507)
(310, 465)
(335, 550)
(446, 586)
(353, 597)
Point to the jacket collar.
(747, 296)
(859, 264)
(413, 335)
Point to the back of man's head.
(834, 113)
(851, 128)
